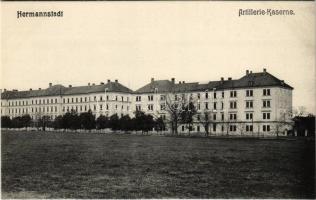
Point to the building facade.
(255, 104)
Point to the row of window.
(87, 99)
(231, 128)
(33, 109)
(65, 100)
(233, 94)
(94, 108)
(249, 93)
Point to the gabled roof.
(161, 85)
(262, 79)
(57, 90)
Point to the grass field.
(70, 165)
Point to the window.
(233, 104)
(266, 128)
(222, 116)
(101, 99)
(107, 106)
(232, 128)
(150, 97)
(162, 106)
(222, 105)
(232, 116)
(76, 100)
(214, 127)
(138, 107)
(266, 115)
(198, 95)
(223, 94)
(107, 97)
(249, 116)
(266, 92)
(249, 128)
(182, 128)
(214, 105)
(206, 105)
(249, 104)
(233, 93)
(115, 98)
(94, 107)
(266, 103)
(55, 100)
(138, 98)
(214, 117)
(150, 107)
(198, 106)
(85, 99)
(249, 93)
(206, 95)
(122, 98)
(214, 95)
(162, 97)
(198, 117)
(101, 107)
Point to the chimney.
(172, 80)
(250, 72)
(183, 82)
(109, 81)
(222, 78)
(50, 84)
(264, 70)
(30, 89)
(93, 84)
(179, 82)
(4, 89)
(229, 78)
(88, 84)
(70, 86)
(152, 80)
(247, 72)
(101, 83)
(15, 90)
(39, 88)
(116, 81)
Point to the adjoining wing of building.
(257, 102)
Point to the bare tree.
(206, 120)
(241, 127)
(177, 108)
(284, 120)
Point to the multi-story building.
(257, 103)
(105, 99)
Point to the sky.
(135, 41)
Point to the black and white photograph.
(158, 100)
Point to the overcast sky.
(132, 42)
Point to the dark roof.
(61, 90)
(262, 79)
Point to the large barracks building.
(255, 103)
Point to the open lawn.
(86, 165)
